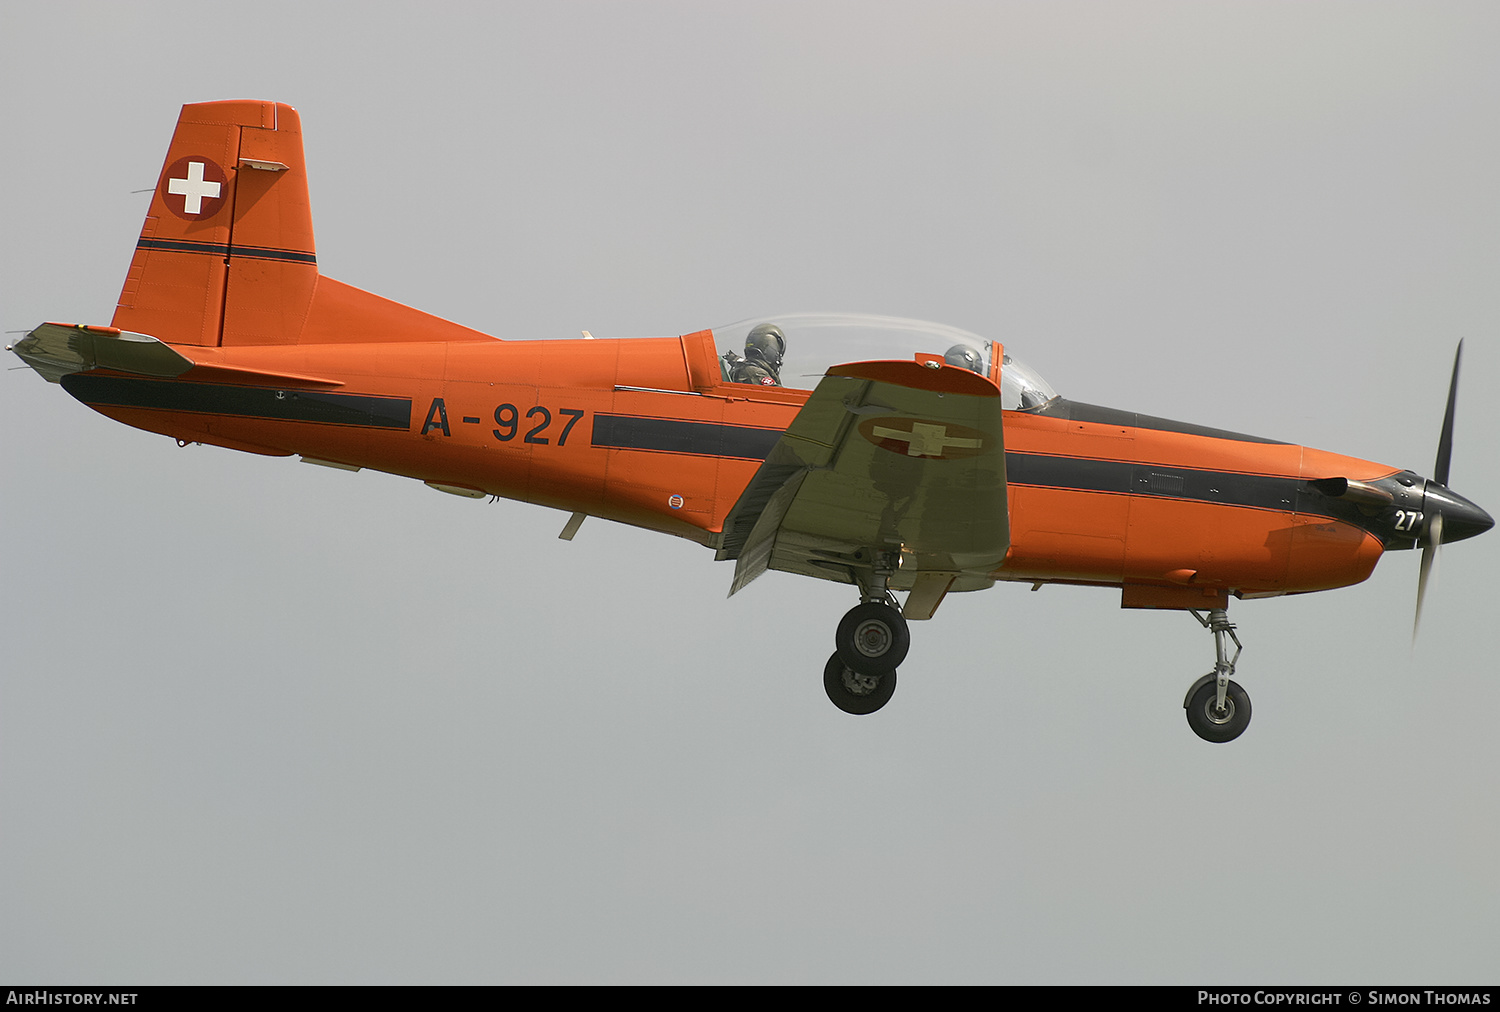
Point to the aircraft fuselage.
(646, 432)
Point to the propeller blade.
(1429, 565)
(1445, 440)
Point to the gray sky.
(262, 722)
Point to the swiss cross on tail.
(194, 188)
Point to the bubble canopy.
(816, 341)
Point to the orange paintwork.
(235, 288)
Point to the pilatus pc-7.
(897, 457)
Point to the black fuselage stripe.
(227, 250)
(318, 406)
(710, 439)
(1081, 474)
(672, 435)
(1157, 481)
(1259, 491)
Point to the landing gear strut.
(1218, 710)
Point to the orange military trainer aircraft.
(890, 455)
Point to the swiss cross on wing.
(194, 188)
(915, 437)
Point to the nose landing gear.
(1218, 710)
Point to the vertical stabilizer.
(226, 256)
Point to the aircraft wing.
(905, 459)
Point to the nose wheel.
(1218, 710)
(1212, 721)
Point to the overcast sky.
(269, 723)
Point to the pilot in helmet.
(964, 357)
(765, 346)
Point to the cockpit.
(797, 349)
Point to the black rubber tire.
(872, 638)
(1214, 727)
(850, 690)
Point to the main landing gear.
(1218, 710)
(871, 642)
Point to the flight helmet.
(767, 343)
(964, 357)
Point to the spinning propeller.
(1466, 518)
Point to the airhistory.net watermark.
(45, 997)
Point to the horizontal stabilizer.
(58, 349)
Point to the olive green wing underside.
(886, 460)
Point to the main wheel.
(872, 638)
(854, 692)
(1212, 724)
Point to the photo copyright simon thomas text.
(1365, 997)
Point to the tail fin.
(226, 256)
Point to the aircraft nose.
(1461, 518)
